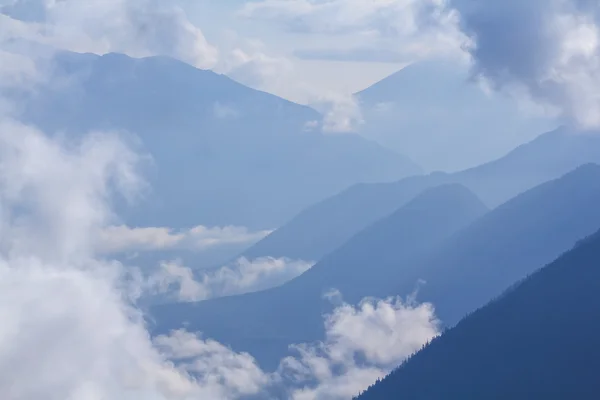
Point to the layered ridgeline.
(266, 323)
(461, 270)
(540, 340)
(223, 153)
(508, 243)
(325, 226)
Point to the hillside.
(462, 270)
(540, 340)
(223, 153)
(328, 224)
(325, 226)
(266, 323)
(509, 243)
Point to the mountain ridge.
(539, 339)
(326, 225)
(249, 157)
(294, 310)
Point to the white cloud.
(549, 49)
(17, 71)
(409, 28)
(135, 27)
(250, 63)
(243, 276)
(121, 238)
(362, 344)
(341, 113)
(214, 365)
(66, 331)
(69, 331)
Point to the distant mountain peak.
(447, 193)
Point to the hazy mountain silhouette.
(266, 323)
(539, 340)
(224, 153)
(462, 272)
(437, 115)
(508, 243)
(326, 225)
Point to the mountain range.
(324, 226)
(223, 154)
(443, 237)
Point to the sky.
(344, 59)
(286, 46)
(225, 19)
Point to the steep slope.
(266, 323)
(461, 272)
(540, 340)
(223, 153)
(437, 115)
(507, 244)
(326, 225)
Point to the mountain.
(539, 340)
(328, 224)
(266, 323)
(436, 114)
(461, 270)
(507, 244)
(325, 226)
(224, 154)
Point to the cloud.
(70, 331)
(66, 330)
(17, 71)
(214, 365)
(362, 344)
(135, 27)
(243, 276)
(408, 28)
(258, 69)
(121, 238)
(249, 62)
(548, 48)
(341, 113)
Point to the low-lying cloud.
(70, 329)
(67, 331)
(121, 238)
(242, 276)
(362, 344)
